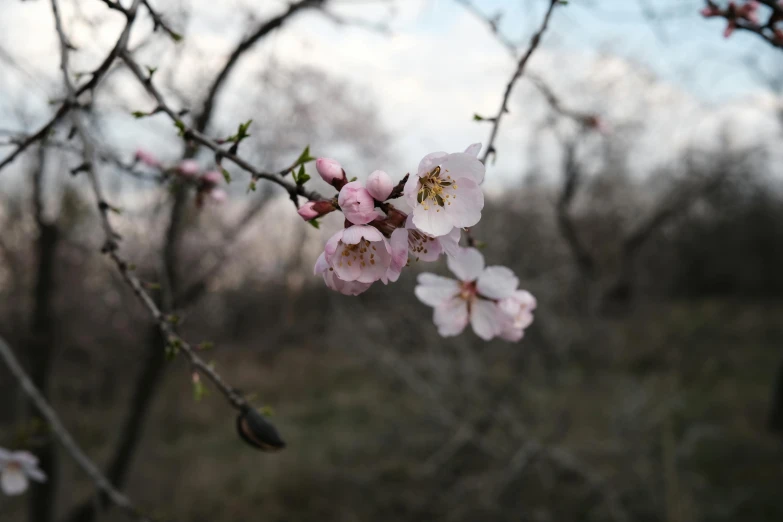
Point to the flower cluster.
(379, 240)
(207, 183)
(17, 468)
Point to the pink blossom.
(518, 314)
(359, 253)
(334, 282)
(473, 299)
(445, 192)
(147, 158)
(357, 204)
(188, 168)
(16, 470)
(379, 185)
(331, 172)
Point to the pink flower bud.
(314, 209)
(146, 158)
(729, 28)
(379, 185)
(331, 172)
(307, 212)
(357, 203)
(188, 168)
(211, 178)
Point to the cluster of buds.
(379, 240)
(206, 182)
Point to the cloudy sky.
(439, 65)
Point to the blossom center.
(417, 242)
(362, 253)
(432, 189)
(468, 291)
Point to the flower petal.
(433, 220)
(35, 474)
(473, 150)
(13, 481)
(466, 200)
(353, 234)
(463, 165)
(434, 290)
(331, 245)
(321, 265)
(466, 263)
(430, 161)
(450, 242)
(485, 318)
(451, 317)
(497, 282)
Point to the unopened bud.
(258, 432)
(331, 172)
(314, 209)
(379, 185)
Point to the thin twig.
(517, 74)
(111, 247)
(192, 133)
(95, 77)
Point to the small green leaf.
(478, 117)
(251, 187)
(181, 126)
(353, 178)
(315, 223)
(226, 175)
(301, 177)
(176, 36)
(139, 114)
(199, 390)
(172, 318)
(267, 411)
(151, 70)
(241, 132)
(304, 157)
(206, 345)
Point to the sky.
(439, 65)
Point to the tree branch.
(65, 438)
